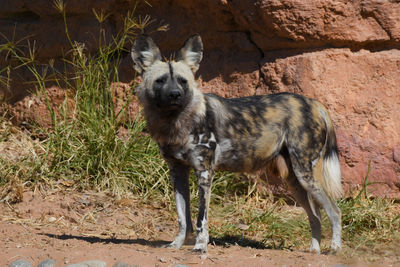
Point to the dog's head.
(167, 85)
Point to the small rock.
(20, 263)
(48, 263)
(162, 260)
(88, 264)
(242, 226)
(180, 265)
(52, 219)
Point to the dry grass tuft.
(12, 192)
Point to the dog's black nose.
(174, 94)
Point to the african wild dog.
(292, 133)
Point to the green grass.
(83, 151)
(82, 147)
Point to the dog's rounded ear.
(144, 53)
(192, 52)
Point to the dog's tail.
(331, 173)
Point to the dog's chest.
(201, 151)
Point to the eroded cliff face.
(346, 54)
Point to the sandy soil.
(72, 227)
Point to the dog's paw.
(200, 248)
(174, 245)
(314, 247)
(334, 250)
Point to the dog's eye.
(161, 80)
(182, 81)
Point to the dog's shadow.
(237, 240)
(109, 240)
(225, 241)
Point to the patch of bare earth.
(72, 227)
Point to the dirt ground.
(72, 227)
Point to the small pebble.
(180, 265)
(242, 226)
(52, 219)
(20, 263)
(48, 263)
(88, 264)
(162, 260)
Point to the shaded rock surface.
(343, 53)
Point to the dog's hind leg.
(304, 174)
(312, 209)
(180, 180)
(281, 166)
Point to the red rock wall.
(344, 53)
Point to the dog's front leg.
(204, 183)
(180, 179)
